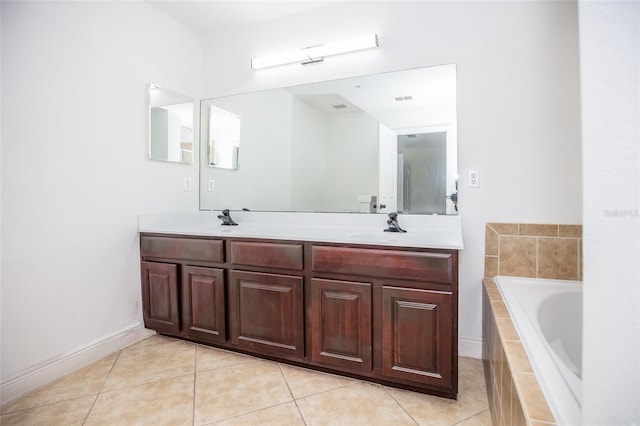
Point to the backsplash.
(533, 250)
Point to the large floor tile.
(432, 410)
(286, 414)
(150, 362)
(167, 402)
(304, 382)
(68, 413)
(167, 381)
(357, 404)
(85, 382)
(211, 358)
(232, 391)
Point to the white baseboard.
(46, 372)
(471, 348)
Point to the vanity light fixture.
(313, 54)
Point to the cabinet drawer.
(193, 249)
(410, 265)
(271, 255)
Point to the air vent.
(403, 98)
(340, 106)
(412, 136)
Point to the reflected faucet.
(226, 218)
(393, 223)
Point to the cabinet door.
(341, 323)
(417, 342)
(160, 296)
(203, 312)
(266, 313)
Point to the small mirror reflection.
(224, 138)
(171, 122)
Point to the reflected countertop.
(423, 231)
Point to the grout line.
(537, 272)
(195, 377)
(247, 413)
(400, 405)
(291, 393)
(48, 404)
(471, 416)
(101, 387)
(137, 385)
(339, 387)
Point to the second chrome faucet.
(393, 223)
(226, 218)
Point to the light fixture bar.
(315, 53)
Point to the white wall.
(610, 79)
(308, 157)
(352, 150)
(75, 172)
(265, 151)
(518, 98)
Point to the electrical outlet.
(473, 179)
(210, 185)
(187, 184)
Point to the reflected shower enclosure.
(422, 173)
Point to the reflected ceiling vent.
(340, 106)
(403, 98)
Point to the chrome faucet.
(226, 218)
(393, 223)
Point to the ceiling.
(213, 16)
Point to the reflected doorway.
(422, 173)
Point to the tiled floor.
(162, 381)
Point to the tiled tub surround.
(515, 396)
(533, 250)
(520, 250)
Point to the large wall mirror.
(377, 144)
(171, 118)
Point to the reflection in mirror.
(224, 138)
(377, 143)
(171, 118)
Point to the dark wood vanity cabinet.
(266, 313)
(160, 297)
(203, 304)
(182, 293)
(266, 304)
(417, 335)
(384, 314)
(341, 324)
(395, 306)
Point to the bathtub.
(548, 317)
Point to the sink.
(210, 227)
(382, 236)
